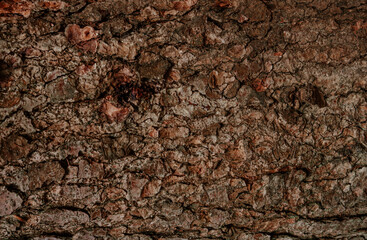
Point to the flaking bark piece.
(75, 34)
(113, 113)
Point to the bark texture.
(183, 119)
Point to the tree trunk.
(187, 119)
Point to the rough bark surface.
(183, 119)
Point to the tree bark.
(183, 119)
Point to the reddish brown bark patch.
(17, 7)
